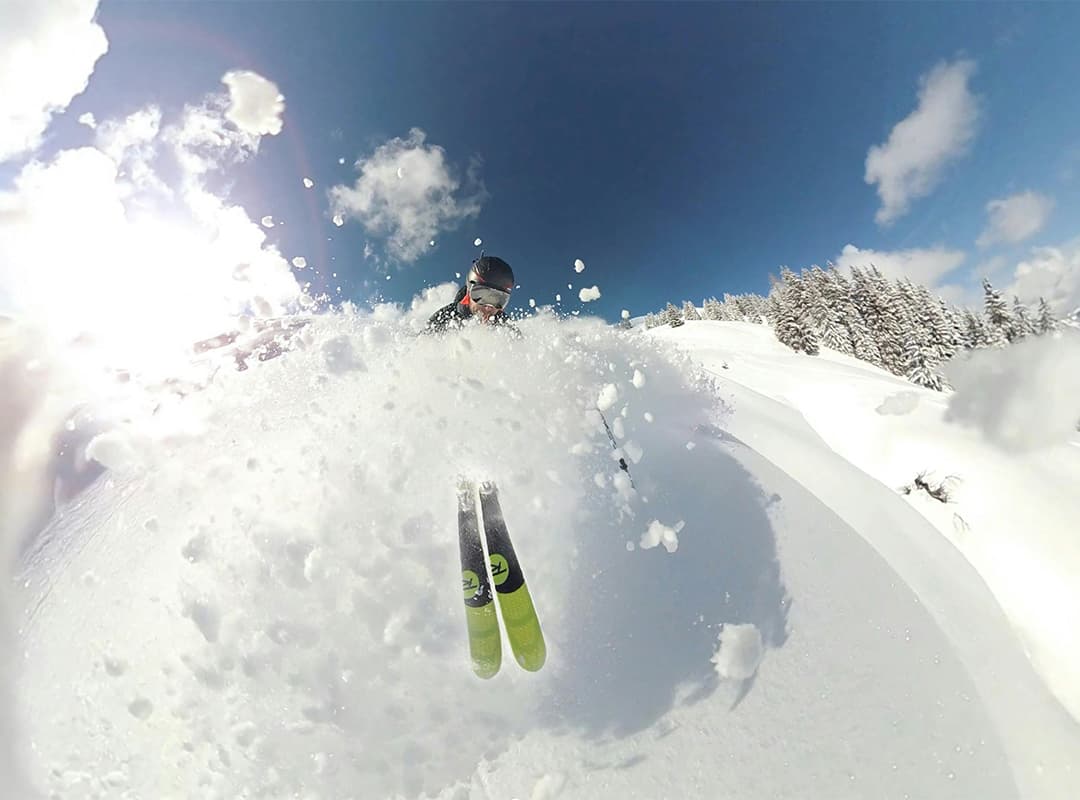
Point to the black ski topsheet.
(485, 643)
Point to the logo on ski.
(470, 583)
(500, 569)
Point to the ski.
(485, 644)
(515, 602)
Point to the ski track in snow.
(270, 605)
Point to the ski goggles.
(488, 296)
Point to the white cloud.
(47, 53)
(255, 104)
(407, 192)
(925, 266)
(88, 120)
(579, 265)
(1016, 218)
(144, 267)
(1052, 273)
(910, 164)
(589, 294)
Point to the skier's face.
(485, 312)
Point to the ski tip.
(532, 661)
(485, 669)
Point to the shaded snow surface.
(270, 606)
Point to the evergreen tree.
(998, 318)
(651, 321)
(978, 331)
(957, 327)
(792, 326)
(895, 325)
(865, 297)
(825, 307)
(689, 311)
(1046, 321)
(773, 306)
(670, 314)
(919, 366)
(751, 308)
(1022, 326)
(713, 309)
(931, 319)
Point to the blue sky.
(681, 151)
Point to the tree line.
(897, 325)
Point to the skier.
(484, 296)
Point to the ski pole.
(615, 446)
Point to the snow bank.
(278, 589)
(1012, 516)
(266, 601)
(24, 451)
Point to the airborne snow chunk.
(739, 652)
(659, 533)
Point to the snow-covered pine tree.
(751, 308)
(713, 309)
(957, 328)
(1022, 325)
(772, 302)
(689, 311)
(977, 328)
(933, 318)
(864, 295)
(896, 323)
(792, 326)
(919, 365)
(1046, 321)
(670, 313)
(863, 345)
(999, 320)
(732, 310)
(825, 301)
(652, 320)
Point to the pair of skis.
(499, 569)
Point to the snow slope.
(265, 602)
(1013, 514)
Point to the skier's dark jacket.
(457, 313)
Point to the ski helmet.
(491, 271)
